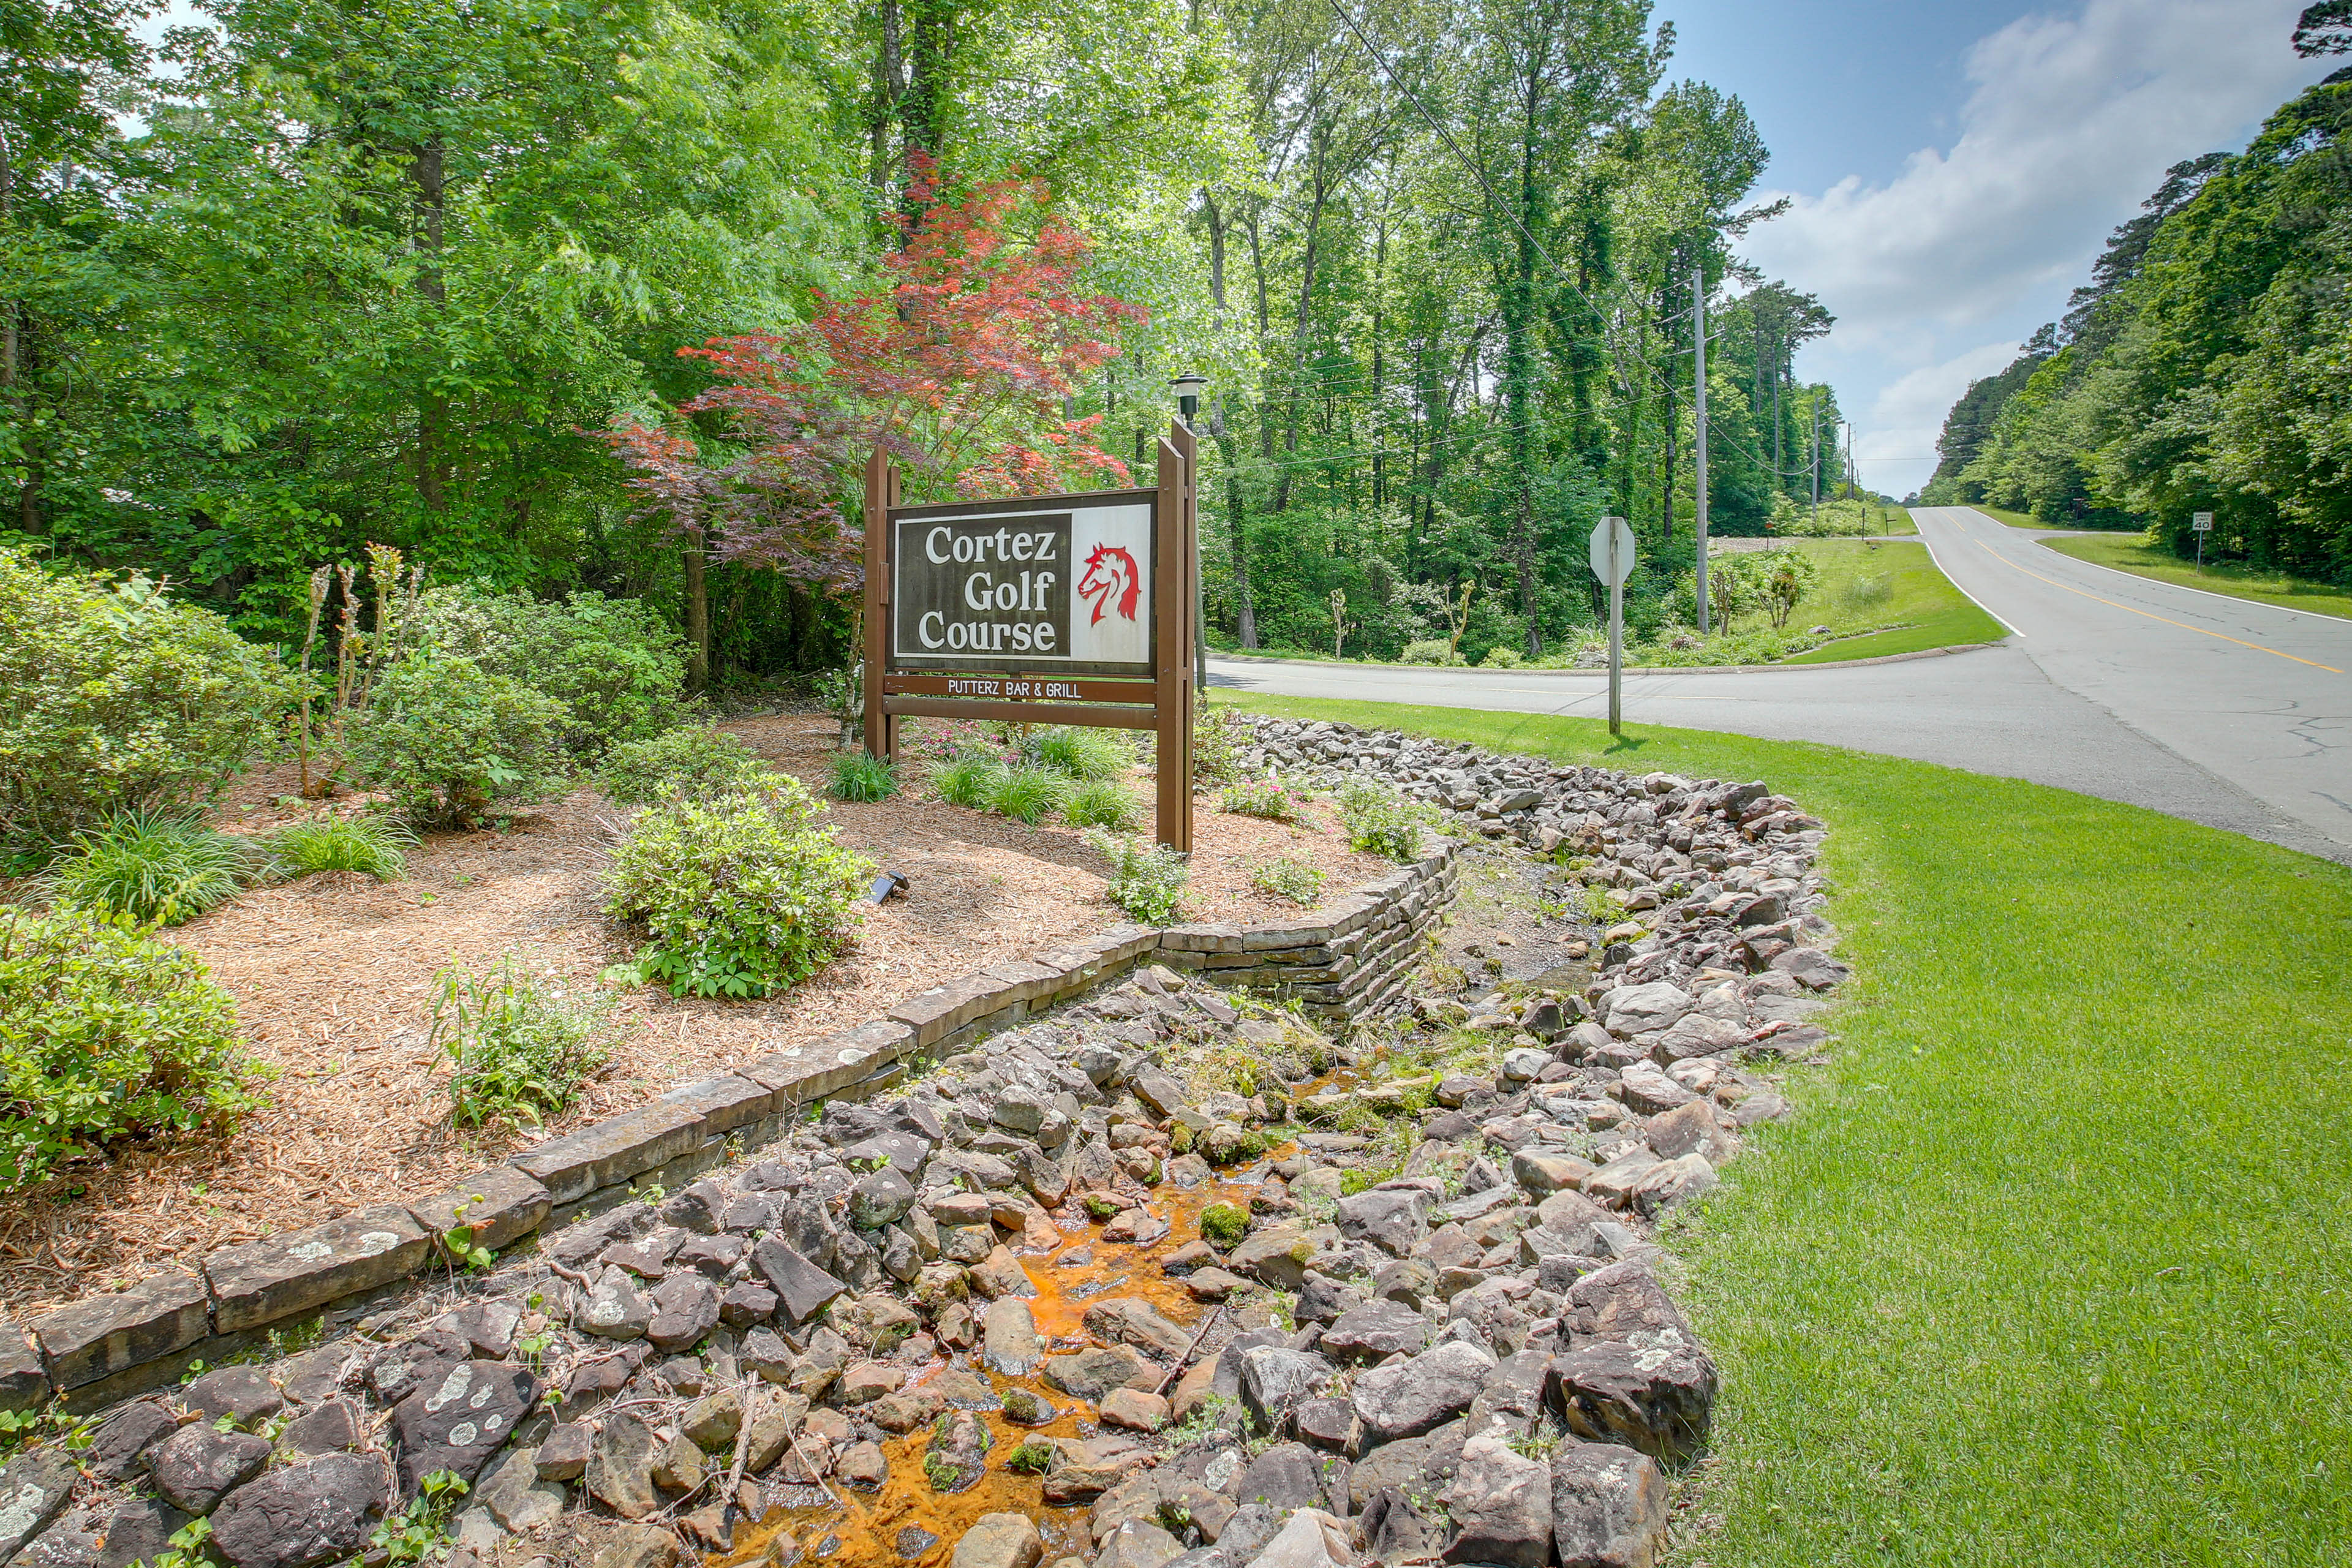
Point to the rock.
(745, 1304)
(1136, 1544)
(1542, 1175)
(121, 1445)
(1500, 1504)
(685, 1308)
(1000, 1274)
(699, 1208)
(774, 1421)
(1329, 1424)
(1283, 1478)
(1614, 1181)
(1523, 1063)
(1136, 1226)
(1133, 1409)
(1134, 1320)
(764, 1351)
(637, 1546)
(1671, 1182)
(1408, 1398)
(1647, 1088)
(711, 1422)
(1024, 1408)
(317, 1511)
(679, 1466)
(1009, 1339)
(193, 1468)
(1631, 1010)
(620, 1471)
(1391, 1532)
(331, 1427)
(1323, 1300)
(1275, 1380)
(1651, 1390)
(457, 1424)
(1619, 1301)
(615, 1307)
(243, 1394)
(1392, 1220)
(1690, 1129)
(957, 1455)
(1609, 1507)
(514, 1492)
(60, 1546)
(1308, 1539)
(1212, 1284)
(34, 1487)
(867, 1381)
(563, 1452)
(999, 1541)
(880, 1198)
(1274, 1257)
(803, 1290)
(138, 1531)
(1092, 1372)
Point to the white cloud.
(2072, 119)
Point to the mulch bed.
(333, 977)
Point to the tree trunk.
(12, 345)
(425, 172)
(697, 615)
(889, 90)
(1244, 611)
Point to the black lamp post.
(1188, 388)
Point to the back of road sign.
(1613, 570)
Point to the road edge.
(1630, 668)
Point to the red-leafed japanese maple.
(958, 366)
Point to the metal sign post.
(1067, 609)
(1611, 554)
(2201, 522)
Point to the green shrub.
(106, 1033)
(860, 775)
(1290, 879)
(1381, 821)
(114, 699)
(1028, 794)
(1268, 797)
(1217, 741)
(1084, 753)
(686, 761)
(613, 663)
(966, 781)
(1224, 1224)
(1103, 804)
(1501, 657)
(520, 1049)
(446, 738)
(1429, 650)
(375, 844)
(1147, 881)
(163, 867)
(741, 895)
(843, 692)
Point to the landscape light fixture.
(1189, 387)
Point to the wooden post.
(881, 495)
(1172, 639)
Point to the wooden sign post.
(1066, 609)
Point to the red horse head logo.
(1111, 570)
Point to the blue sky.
(1955, 167)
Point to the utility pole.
(1698, 427)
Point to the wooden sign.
(1068, 609)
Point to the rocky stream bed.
(1167, 1276)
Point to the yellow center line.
(2184, 626)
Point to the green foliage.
(105, 1033)
(1290, 879)
(114, 698)
(1033, 1457)
(1501, 657)
(519, 1047)
(1223, 1225)
(1027, 795)
(1381, 821)
(1147, 879)
(687, 760)
(1269, 798)
(422, 1529)
(741, 896)
(1103, 804)
(612, 663)
(374, 845)
(966, 781)
(1217, 741)
(843, 692)
(860, 775)
(446, 738)
(1083, 752)
(1603, 907)
(159, 867)
(1429, 650)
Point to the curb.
(1638, 668)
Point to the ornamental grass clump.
(1028, 794)
(519, 1047)
(966, 781)
(688, 760)
(107, 1034)
(739, 896)
(1082, 753)
(861, 776)
(159, 867)
(1147, 881)
(1103, 804)
(375, 845)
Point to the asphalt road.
(2218, 710)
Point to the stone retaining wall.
(1352, 960)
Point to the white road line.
(1955, 582)
(2164, 583)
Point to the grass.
(162, 866)
(2130, 553)
(2051, 1267)
(377, 846)
(1876, 599)
(861, 776)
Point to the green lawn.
(2053, 1266)
(1934, 613)
(2130, 553)
(2014, 519)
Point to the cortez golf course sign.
(1067, 609)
